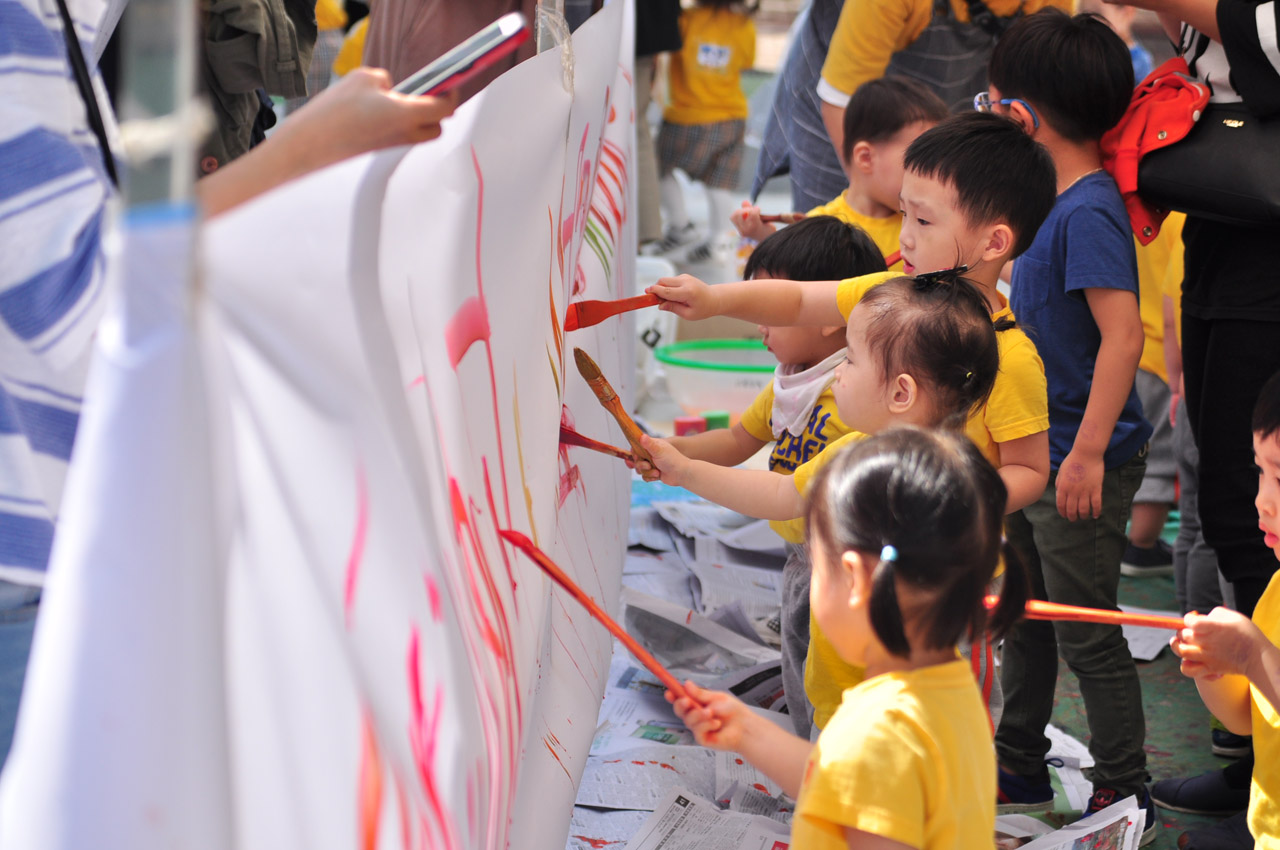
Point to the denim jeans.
(1077, 563)
(18, 605)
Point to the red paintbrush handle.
(524, 544)
(1038, 609)
(584, 314)
(782, 218)
(570, 437)
(892, 258)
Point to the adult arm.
(356, 115)
(1201, 14)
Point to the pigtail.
(1013, 595)
(885, 615)
(1005, 323)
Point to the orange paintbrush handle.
(782, 218)
(610, 401)
(892, 258)
(570, 437)
(1038, 609)
(524, 544)
(584, 314)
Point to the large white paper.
(638, 778)
(1117, 827)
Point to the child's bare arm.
(1225, 652)
(859, 840)
(1024, 467)
(765, 302)
(723, 446)
(1079, 482)
(754, 492)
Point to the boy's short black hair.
(1266, 412)
(880, 108)
(1074, 71)
(1000, 174)
(820, 247)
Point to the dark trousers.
(1225, 363)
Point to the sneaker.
(1020, 794)
(675, 237)
(1213, 793)
(1103, 797)
(1228, 744)
(1155, 561)
(1229, 834)
(699, 253)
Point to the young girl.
(918, 351)
(905, 535)
(704, 124)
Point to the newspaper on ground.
(1117, 827)
(634, 712)
(595, 829)
(648, 529)
(1013, 831)
(684, 821)
(1069, 757)
(718, 584)
(740, 787)
(638, 778)
(1076, 788)
(734, 618)
(694, 647)
(1071, 751)
(1146, 643)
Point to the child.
(1075, 291)
(882, 118)
(919, 352)
(1235, 661)
(798, 410)
(704, 125)
(906, 760)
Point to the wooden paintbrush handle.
(1038, 609)
(609, 399)
(570, 437)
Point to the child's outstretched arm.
(725, 723)
(723, 446)
(1079, 481)
(765, 302)
(754, 492)
(1225, 652)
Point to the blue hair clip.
(889, 553)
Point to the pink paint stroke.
(356, 557)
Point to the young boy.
(882, 118)
(1075, 291)
(1235, 661)
(797, 412)
(975, 190)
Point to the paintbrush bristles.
(586, 365)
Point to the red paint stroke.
(433, 597)
(468, 326)
(738, 761)
(369, 789)
(759, 787)
(665, 766)
(424, 734)
(356, 556)
(418, 381)
(551, 750)
(493, 514)
(596, 843)
(568, 481)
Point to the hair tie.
(942, 276)
(889, 553)
(968, 376)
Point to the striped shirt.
(54, 197)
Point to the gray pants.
(795, 636)
(1196, 580)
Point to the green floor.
(1177, 722)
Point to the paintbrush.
(892, 258)
(609, 399)
(570, 437)
(584, 314)
(1038, 609)
(524, 544)
(782, 218)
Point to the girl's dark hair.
(880, 108)
(936, 328)
(935, 499)
(820, 247)
(1266, 412)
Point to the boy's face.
(935, 233)
(885, 179)
(1266, 453)
(798, 345)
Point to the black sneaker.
(1103, 797)
(1215, 793)
(1229, 834)
(1021, 794)
(1228, 744)
(1155, 561)
(675, 237)
(699, 253)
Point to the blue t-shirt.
(1085, 243)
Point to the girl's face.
(860, 389)
(840, 613)
(1266, 453)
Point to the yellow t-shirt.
(791, 451)
(1154, 262)
(330, 15)
(351, 54)
(706, 75)
(869, 32)
(883, 231)
(909, 757)
(1264, 791)
(1173, 285)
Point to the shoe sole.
(1148, 835)
(1136, 571)
(1231, 752)
(1189, 811)
(1023, 808)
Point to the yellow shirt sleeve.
(351, 54)
(1154, 262)
(884, 232)
(757, 418)
(330, 15)
(851, 291)
(1019, 402)
(1264, 792)
(1173, 273)
(804, 473)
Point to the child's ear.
(1019, 113)
(862, 157)
(904, 393)
(858, 572)
(999, 243)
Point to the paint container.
(716, 419)
(686, 425)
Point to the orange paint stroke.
(370, 786)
